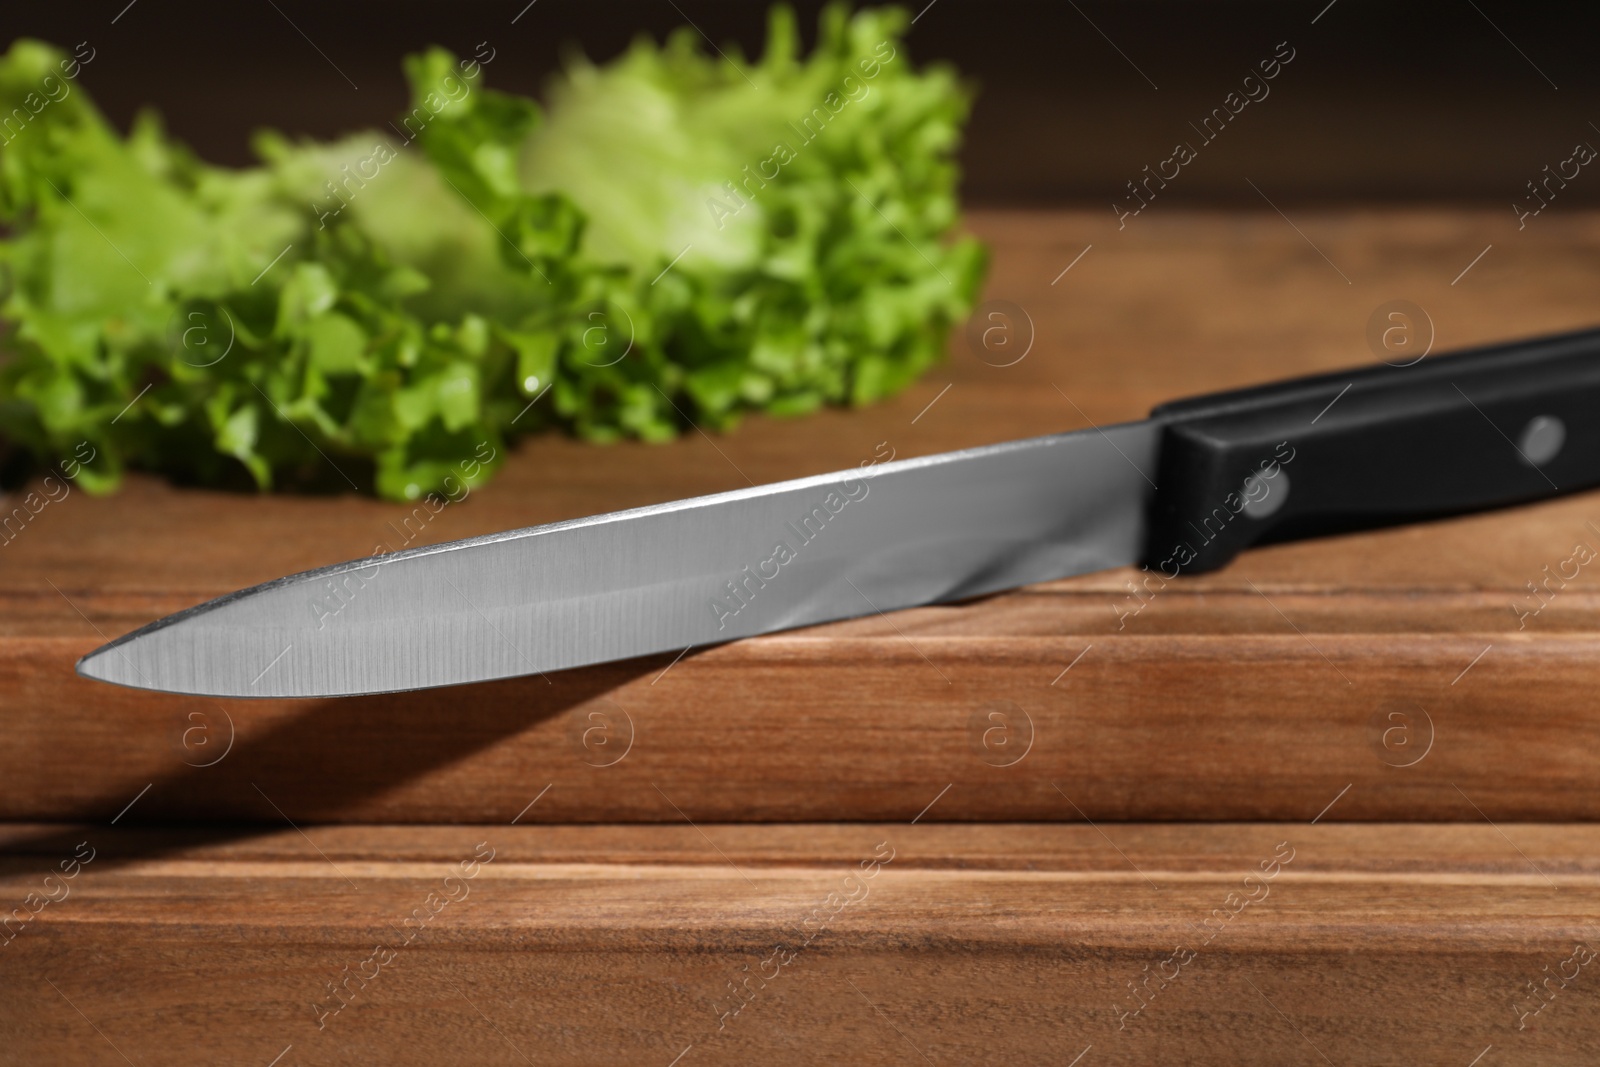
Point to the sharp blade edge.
(659, 579)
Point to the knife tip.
(100, 666)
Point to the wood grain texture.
(1394, 662)
(1399, 944)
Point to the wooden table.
(1380, 677)
(1401, 944)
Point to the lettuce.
(680, 238)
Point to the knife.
(1180, 493)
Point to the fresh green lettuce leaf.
(680, 237)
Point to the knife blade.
(663, 578)
(1314, 455)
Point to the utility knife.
(1181, 492)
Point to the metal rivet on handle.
(1264, 496)
(1541, 439)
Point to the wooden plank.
(906, 943)
(1256, 692)
(811, 729)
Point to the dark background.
(1458, 100)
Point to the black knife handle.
(1374, 446)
